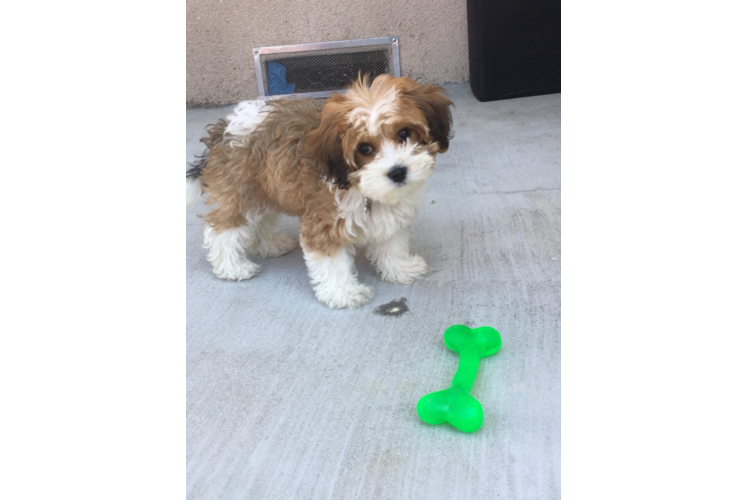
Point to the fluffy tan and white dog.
(353, 169)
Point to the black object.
(398, 174)
(514, 48)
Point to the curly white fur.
(246, 117)
(227, 255)
(194, 190)
(334, 279)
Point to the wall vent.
(319, 69)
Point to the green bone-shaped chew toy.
(455, 404)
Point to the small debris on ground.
(394, 308)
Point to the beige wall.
(221, 34)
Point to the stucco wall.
(221, 34)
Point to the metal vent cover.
(319, 69)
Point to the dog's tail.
(194, 182)
(194, 190)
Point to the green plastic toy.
(455, 404)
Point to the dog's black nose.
(398, 174)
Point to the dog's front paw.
(405, 271)
(350, 297)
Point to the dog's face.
(382, 139)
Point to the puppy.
(353, 169)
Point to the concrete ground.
(287, 399)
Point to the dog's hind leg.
(266, 241)
(227, 254)
(227, 236)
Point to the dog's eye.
(365, 149)
(403, 134)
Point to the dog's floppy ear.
(434, 105)
(323, 145)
